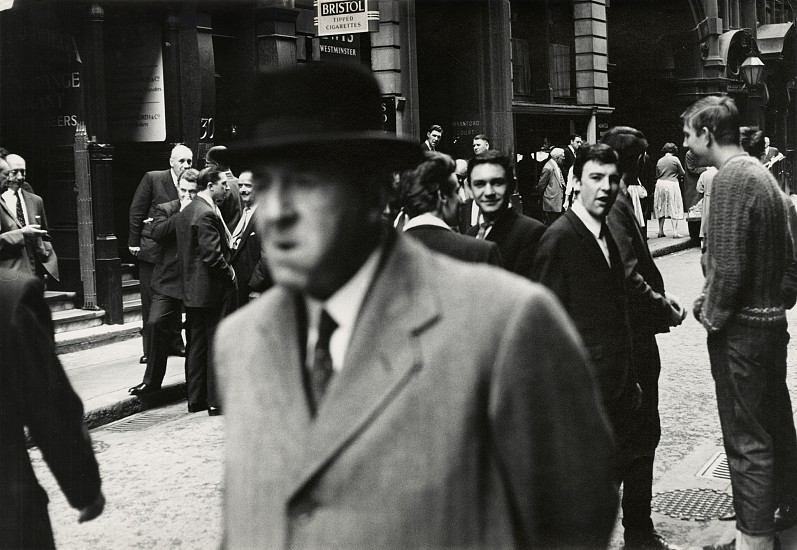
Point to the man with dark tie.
(24, 243)
(433, 137)
(579, 261)
(208, 282)
(356, 417)
(167, 284)
(492, 182)
(245, 241)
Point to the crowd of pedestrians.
(430, 367)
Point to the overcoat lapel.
(588, 240)
(382, 357)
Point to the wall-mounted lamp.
(752, 70)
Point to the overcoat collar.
(382, 357)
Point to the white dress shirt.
(426, 218)
(594, 227)
(10, 198)
(344, 308)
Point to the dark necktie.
(20, 213)
(483, 227)
(321, 371)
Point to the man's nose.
(277, 204)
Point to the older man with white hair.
(552, 186)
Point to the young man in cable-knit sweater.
(743, 309)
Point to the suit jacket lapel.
(168, 186)
(32, 213)
(381, 359)
(11, 215)
(501, 227)
(590, 244)
(244, 235)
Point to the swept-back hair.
(716, 113)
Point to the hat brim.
(381, 149)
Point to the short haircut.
(670, 147)
(220, 155)
(600, 152)
(206, 176)
(494, 156)
(190, 175)
(718, 114)
(752, 141)
(420, 188)
(629, 144)
(574, 136)
(4, 153)
(177, 146)
(482, 137)
(434, 127)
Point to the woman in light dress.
(667, 201)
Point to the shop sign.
(344, 48)
(389, 114)
(335, 17)
(136, 98)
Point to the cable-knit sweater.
(748, 248)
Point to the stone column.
(107, 265)
(592, 79)
(496, 102)
(276, 34)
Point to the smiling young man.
(355, 416)
(492, 182)
(579, 261)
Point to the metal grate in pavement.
(693, 504)
(142, 421)
(716, 467)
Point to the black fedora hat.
(326, 109)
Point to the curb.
(675, 247)
(132, 405)
(79, 340)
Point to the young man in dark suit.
(156, 187)
(492, 183)
(579, 261)
(35, 394)
(377, 424)
(651, 311)
(167, 284)
(208, 283)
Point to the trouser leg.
(145, 270)
(197, 360)
(162, 314)
(745, 361)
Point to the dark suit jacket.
(156, 187)
(648, 308)
(516, 236)
(245, 259)
(19, 254)
(232, 207)
(570, 160)
(461, 247)
(35, 393)
(571, 264)
(204, 255)
(424, 439)
(465, 214)
(167, 277)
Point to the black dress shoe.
(143, 389)
(143, 360)
(197, 407)
(646, 540)
(214, 411)
(785, 517)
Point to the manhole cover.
(693, 504)
(142, 421)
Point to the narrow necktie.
(20, 213)
(321, 371)
(483, 227)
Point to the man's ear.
(708, 134)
